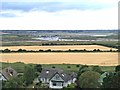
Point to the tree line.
(106, 45)
(49, 50)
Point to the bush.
(68, 66)
(78, 65)
(117, 68)
(53, 66)
(73, 85)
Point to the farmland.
(104, 40)
(102, 59)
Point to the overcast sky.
(58, 14)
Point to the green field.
(19, 66)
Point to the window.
(54, 83)
(59, 84)
(57, 76)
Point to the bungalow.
(7, 73)
(57, 78)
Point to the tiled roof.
(49, 73)
(9, 72)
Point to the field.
(19, 66)
(65, 47)
(104, 40)
(102, 59)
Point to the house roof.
(9, 72)
(103, 76)
(49, 73)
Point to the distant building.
(7, 73)
(56, 78)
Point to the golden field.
(100, 58)
(72, 47)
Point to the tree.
(83, 69)
(38, 67)
(98, 50)
(29, 75)
(21, 50)
(13, 83)
(49, 50)
(117, 68)
(83, 66)
(94, 50)
(97, 69)
(89, 79)
(112, 80)
(84, 50)
(6, 50)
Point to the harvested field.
(103, 59)
(67, 47)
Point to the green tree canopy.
(97, 69)
(29, 75)
(112, 80)
(117, 68)
(38, 67)
(82, 69)
(14, 83)
(89, 79)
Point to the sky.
(58, 14)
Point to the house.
(7, 73)
(102, 77)
(57, 78)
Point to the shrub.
(53, 66)
(68, 66)
(78, 65)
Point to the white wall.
(55, 87)
(2, 77)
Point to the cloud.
(10, 13)
(105, 1)
(57, 5)
(59, 14)
(72, 19)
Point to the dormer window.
(11, 72)
(63, 75)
